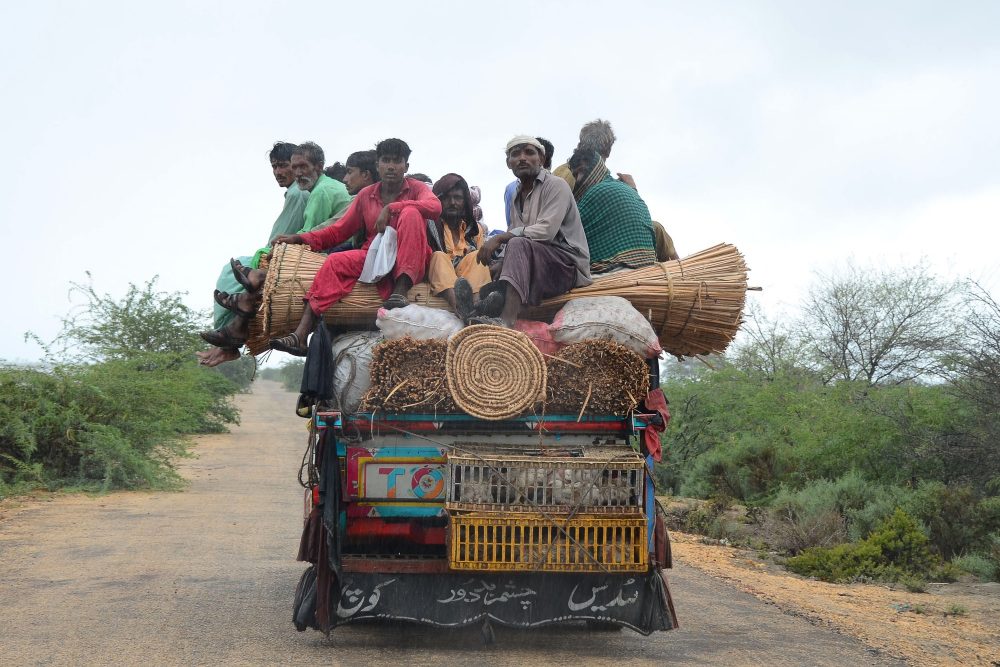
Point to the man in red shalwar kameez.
(396, 201)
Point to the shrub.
(978, 564)
(956, 518)
(897, 549)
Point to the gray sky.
(805, 133)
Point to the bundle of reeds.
(409, 376)
(596, 377)
(695, 304)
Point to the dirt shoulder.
(949, 624)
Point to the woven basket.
(494, 373)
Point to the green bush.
(978, 564)
(290, 374)
(897, 549)
(956, 518)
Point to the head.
(393, 157)
(361, 171)
(281, 162)
(423, 178)
(582, 161)
(336, 171)
(307, 165)
(456, 200)
(597, 134)
(549, 151)
(525, 156)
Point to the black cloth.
(537, 270)
(317, 376)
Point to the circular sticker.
(427, 483)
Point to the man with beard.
(396, 201)
(327, 198)
(455, 238)
(546, 252)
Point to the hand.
(628, 180)
(486, 252)
(383, 220)
(291, 239)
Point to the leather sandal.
(222, 338)
(491, 305)
(290, 344)
(463, 299)
(231, 303)
(242, 274)
(396, 301)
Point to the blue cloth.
(508, 199)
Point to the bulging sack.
(352, 353)
(418, 322)
(605, 318)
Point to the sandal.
(491, 305)
(396, 301)
(290, 344)
(463, 299)
(242, 275)
(222, 338)
(231, 303)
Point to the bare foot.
(217, 355)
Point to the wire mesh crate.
(589, 485)
(532, 542)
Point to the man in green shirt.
(326, 198)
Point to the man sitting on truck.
(455, 237)
(615, 218)
(545, 248)
(396, 201)
(326, 198)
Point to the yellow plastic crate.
(531, 542)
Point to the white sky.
(805, 133)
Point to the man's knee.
(408, 217)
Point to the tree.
(144, 321)
(880, 326)
(770, 346)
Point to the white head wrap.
(524, 139)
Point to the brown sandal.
(290, 344)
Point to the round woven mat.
(493, 372)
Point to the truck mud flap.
(640, 602)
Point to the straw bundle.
(493, 372)
(694, 304)
(596, 377)
(408, 375)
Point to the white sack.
(419, 322)
(352, 353)
(607, 318)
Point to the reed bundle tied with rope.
(408, 375)
(493, 372)
(596, 377)
(695, 304)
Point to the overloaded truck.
(451, 519)
(489, 475)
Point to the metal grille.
(535, 543)
(551, 484)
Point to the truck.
(450, 520)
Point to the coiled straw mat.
(494, 373)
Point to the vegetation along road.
(205, 576)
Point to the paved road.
(206, 576)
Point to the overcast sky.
(136, 135)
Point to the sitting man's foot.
(217, 355)
(491, 305)
(291, 344)
(396, 301)
(463, 299)
(251, 279)
(223, 337)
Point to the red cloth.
(656, 402)
(339, 273)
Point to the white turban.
(524, 139)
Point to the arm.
(554, 206)
(338, 232)
(426, 203)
